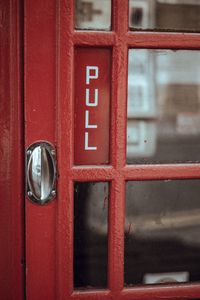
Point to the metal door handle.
(41, 172)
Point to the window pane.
(93, 14)
(163, 106)
(173, 15)
(162, 240)
(90, 234)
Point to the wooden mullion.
(162, 40)
(94, 38)
(173, 291)
(164, 172)
(92, 295)
(118, 146)
(94, 174)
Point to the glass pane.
(173, 15)
(90, 234)
(162, 240)
(163, 106)
(93, 14)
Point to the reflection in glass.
(93, 14)
(162, 240)
(163, 106)
(173, 15)
(90, 234)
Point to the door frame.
(12, 254)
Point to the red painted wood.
(92, 76)
(93, 295)
(50, 265)
(137, 172)
(65, 135)
(137, 39)
(11, 153)
(94, 39)
(118, 145)
(163, 40)
(145, 172)
(181, 291)
(40, 124)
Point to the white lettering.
(87, 125)
(87, 147)
(96, 94)
(91, 75)
(92, 72)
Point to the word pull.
(92, 106)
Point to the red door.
(92, 240)
(12, 261)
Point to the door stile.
(65, 139)
(40, 119)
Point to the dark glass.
(90, 234)
(165, 15)
(162, 240)
(93, 14)
(163, 106)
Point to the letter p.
(92, 72)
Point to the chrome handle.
(41, 172)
